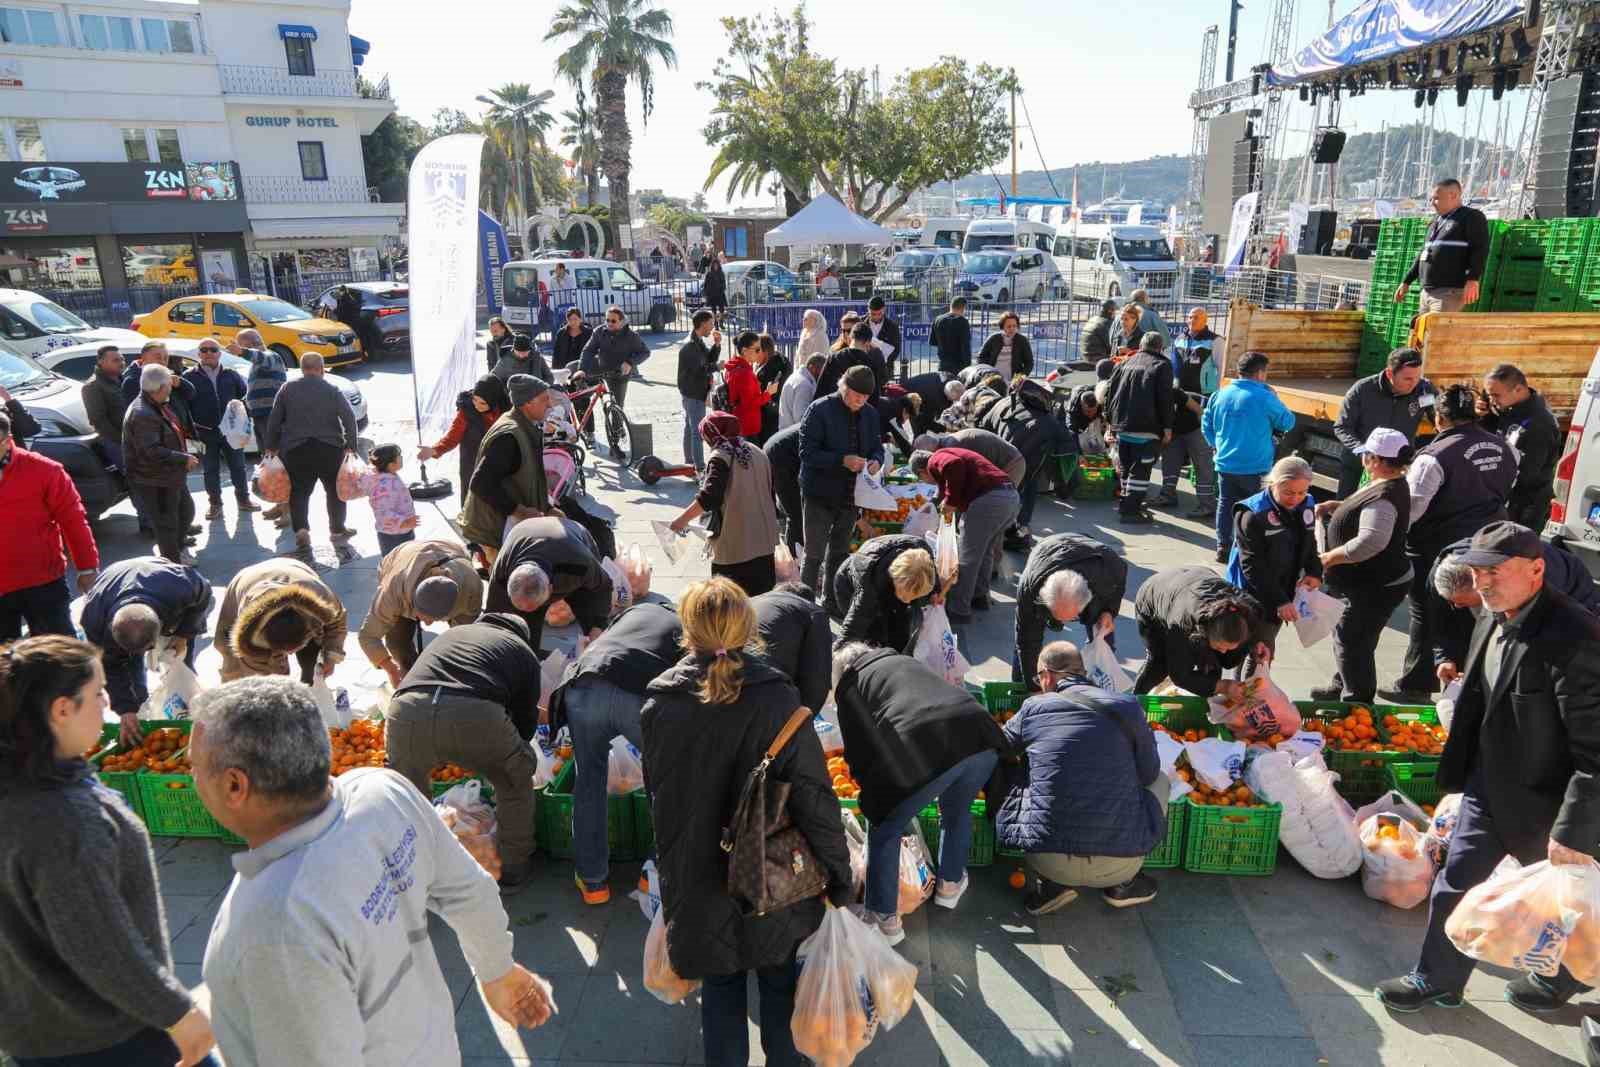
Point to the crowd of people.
(320, 952)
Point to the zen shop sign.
(298, 121)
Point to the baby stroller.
(563, 470)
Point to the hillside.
(1162, 179)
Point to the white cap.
(1385, 442)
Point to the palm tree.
(613, 42)
(515, 114)
(578, 135)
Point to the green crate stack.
(1569, 245)
(1170, 852)
(1588, 285)
(644, 823)
(1095, 483)
(1375, 346)
(555, 820)
(981, 852)
(1500, 234)
(1361, 774)
(1418, 781)
(1242, 841)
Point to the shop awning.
(359, 47)
(325, 228)
(287, 30)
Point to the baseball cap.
(1384, 442)
(1500, 541)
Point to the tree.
(676, 220)
(578, 136)
(517, 118)
(610, 44)
(792, 114)
(387, 152)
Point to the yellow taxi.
(288, 330)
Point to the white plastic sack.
(917, 876)
(170, 699)
(332, 715)
(826, 723)
(936, 646)
(784, 566)
(472, 821)
(649, 902)
(1219, 763)
(671, 541)
(624, 772)
(546, 766)
(922, 521)
(1317, 827)
(664, 983)
(1537, 918)
(1100, 663)
(947, 552)
(1443, 827)
(621, 594)
(1394, 802)
(550, 673)
(855, 838)
(870, 492)
(1316, 614)
(1395, 867)
(1303, 744)
(237, 428)
(1446, 707)
(1168, 749)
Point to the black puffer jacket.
(1172, 609)
(875, 614)
(799, 642)
(567, 554)
(696, 362)
(1021, 352)
(696, 759)
(930, 387)
(639, 645)
(1104, 570)
(1141, 395)
(1026, 420)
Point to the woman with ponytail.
(707, 723)
(86, 973)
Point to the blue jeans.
(694, 449)
(1232, 488)
(597, 711)
(211, 465)
(724, 999)
(955, 789)
(387, 542)
(147, 1048)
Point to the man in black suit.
(1524, 750)
(885, 337)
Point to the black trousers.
(43, 607)
(308, 463)
(1355, 637)
(786, 486)
(1418, 673)
(170, 511)
(754, 576)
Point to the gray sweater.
(84, 959)
(310, 409)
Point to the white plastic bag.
(784, 567)
(1394, 802)
(1316, 614)
(671, 541)
(1260, 712)
(624, 772)
(636, 568)
(922, 521)
(351, 482)
(621, 594)
(855, 838)
(1446, 707)
(851, 983)
(471, 819)
(1303, 744)
(937, 647)
(1103, 669)
(550, 674)
(178, 687)
(237, 428)
(663, 982)
(1395, 867)
(1536, 918)
(828, 732)
(871, 494)
(649, 898)
(1317, 826)
(947, 552)
(1443, 827)
(917, 876)
(332, 716)
(1219, 763)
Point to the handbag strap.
(801, 715)
(758, 774)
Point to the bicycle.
(616, 423)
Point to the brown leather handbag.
(770, 862)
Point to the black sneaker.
(1135, 518)
(1048, 896)
(1164, 500)
(1201, 513)
(1140, 889)
(1411, 992)
(1532, 992)
(1222, 554)
(981, 603)
(1396, 695)
(1327, 692)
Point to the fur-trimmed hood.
(262, 603)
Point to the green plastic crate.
(1170, 852)
(439, 789)
(1001, 697)
(1419, 781)
(554, 820)
(981, 852)
(1179, 713)
(127, 782)
(1095, 483)
(1361, 774)
(1230, 840)
(644, 823)
(172, 808)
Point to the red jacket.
(745, 394)
(42, 512)
(963, 476)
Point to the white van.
(32, 325)
(1008, 233)
(592, 285)
(947, 232)
(1109, 261)
(1575, 512)
(1005, 276)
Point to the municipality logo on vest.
(447, 194)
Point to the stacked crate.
(1567, 247)
(1514, 269)
(1399, 241)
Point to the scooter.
(651, 469)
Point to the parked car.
(1575, 513)
(287, 330)
(78, 362)
(64, 431)
(33, 325)
(177, 270)
(752, 281)
(532, 304)
(385, 315)
(1005, 275)
(919, 276)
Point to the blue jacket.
(210, 401)
(1239, 422)
(180, 597)
(1273, 549)
(825, 441)
(1090, 756)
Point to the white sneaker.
(948, 895)
(889, 926)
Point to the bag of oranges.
(1395, 867)
(272, 481)
(1533, 918)
(1261, 711)
(663, 982)
(851, 983)
(916, 872)
(472, 822)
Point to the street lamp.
(519, 116)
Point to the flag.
(1077, 212)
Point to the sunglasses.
(210, 348)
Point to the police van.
(1108, 261)
(537, 293)
(1006, 233)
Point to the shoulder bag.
(770, 862)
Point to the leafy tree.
(611, 43)
(517, 119)
(578, 135)
(676, 220)
(387, 153)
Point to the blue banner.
(492, 255)
(1379, 29)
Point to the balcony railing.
(277, 81)
(293, 189)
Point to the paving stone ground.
(1275, 971)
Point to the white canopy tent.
(825, 221)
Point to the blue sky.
(1103, 80)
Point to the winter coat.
(714, 287)
(799, 642)
(1532, 431)
(1172, 607)
(211, 399)
(23, 424)
(775, 369)
(825, 439)
(873, 611)
(105, 406)
(466, 432)
(639, 645)
(182, 399)
(179, 595)
(1239, 421)
(43, 512)
(566, 349)
(697, 359)
(267, 375)
(407, 567)
(1091, 755)
(496, 347)
(696, 760)
(491, 659)
(259, 592)
(1371, 403)
(988, 444)
(568, 555)
(904, 726)
(1452, 626)
(152, 450)
(849, 356)
(1096, 343)
(963, 477)
(930, 387)
(1021, 352)
(951, 335)
(1026, 419)
(511, 362)
(1099, 565)
(1141, 395)
(744, 394)
(609, 349)
(1273, 548)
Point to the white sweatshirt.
(320, 953)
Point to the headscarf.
(720, 430)
(492, 391)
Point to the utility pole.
(1234, 7)
(1383, 165)
(1013, 141)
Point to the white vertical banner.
(1244, 210)
(442, 232)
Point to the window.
(167, 35)
(17, 328)
(182, 34)
(103, 32)
(736, 242)
(947, 238)
(227, 315)
(589, 278)
(298, 51)
(23, 142)
(313, 162)
(135, 145)
(168, 153)
(71, 267)
(188, 311)
(78, 368)
(23, 26)
(621, 279)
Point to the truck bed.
(1314, 398)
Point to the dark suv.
(385, 326)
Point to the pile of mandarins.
(449, 773)
(1353, 733)
(1421, 738)
(1181, 735)
(162, 751)
(844, 786)
(358, 745)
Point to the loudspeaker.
(1565, 174)
(1246, 165)
(1317, 237)
(1328, 145)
